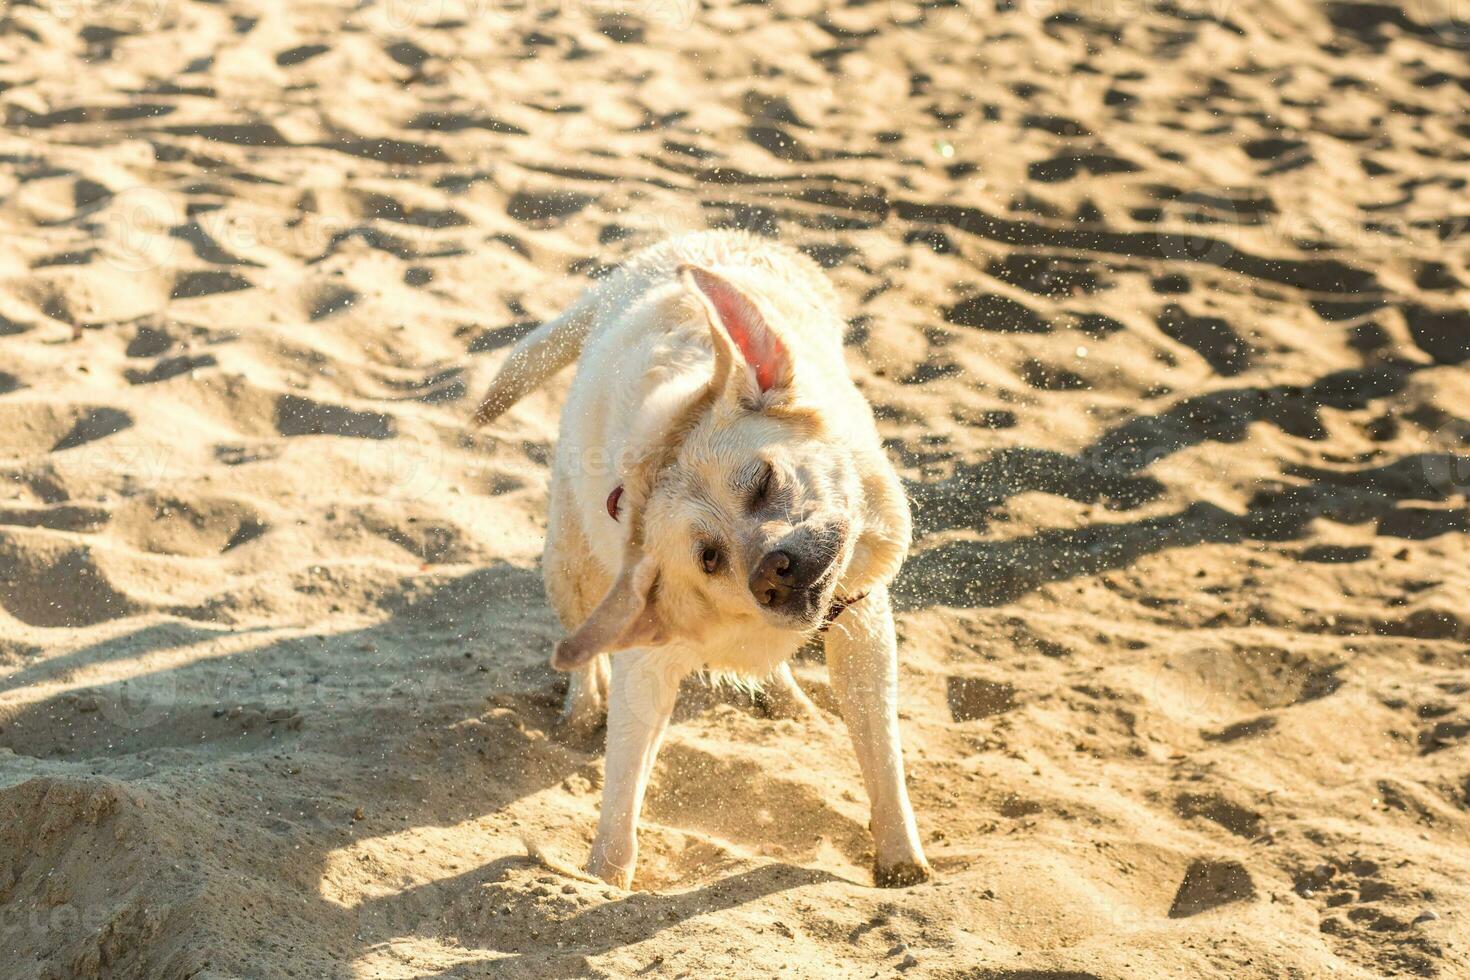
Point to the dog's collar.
(838, 605)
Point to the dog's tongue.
(612, 501)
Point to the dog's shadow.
(527, 935)
(455, 750)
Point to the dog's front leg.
(641, 695)
(586, 701)
(862, 658)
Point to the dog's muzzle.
(790, 585)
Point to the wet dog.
(719, 495)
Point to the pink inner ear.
(743, 322)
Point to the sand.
(1163, 310)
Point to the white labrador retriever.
(719, 495)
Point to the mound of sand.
(1163, 310)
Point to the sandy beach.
(1163, 311)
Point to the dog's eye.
(763, 486)
(711, 559)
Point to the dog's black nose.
(773, 582)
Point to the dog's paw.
(583, 729)
(583, 716)
(617, 875)
(779, 696)
(904, 874)
(783, 704)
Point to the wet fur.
(671, 401)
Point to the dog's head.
(752, 511)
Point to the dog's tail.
(539, 355)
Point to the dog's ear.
(747, 350)
(626, 617)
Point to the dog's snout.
(791, 577)
(783, 576)
(774, 580)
